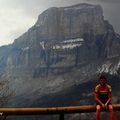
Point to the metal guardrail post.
(61, 116)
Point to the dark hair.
(102, 77)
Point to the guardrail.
(52, 110)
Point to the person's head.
(103, 80)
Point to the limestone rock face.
(56, 25)
(80, 21)
(66, 47)
(70, 22)
(66, 23)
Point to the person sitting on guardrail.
(103, 97)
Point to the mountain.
(60, 58)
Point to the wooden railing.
(52, 110)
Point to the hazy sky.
(17, 16)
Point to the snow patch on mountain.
(69, 44)
(26, 48)
(109, 67)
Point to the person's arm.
(109, 96)
(97, 99)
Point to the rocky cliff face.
(85, 21)
(66, 23)
(66, 47)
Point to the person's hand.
(103, 105)
(106, 105)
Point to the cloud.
(11, 21)
(17, 16)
